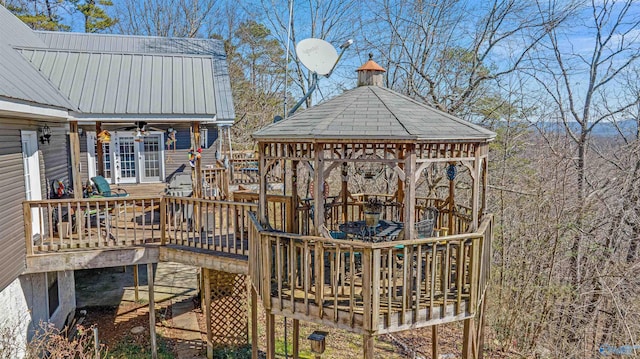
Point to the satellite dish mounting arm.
(314, 83)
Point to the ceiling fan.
(141, 130)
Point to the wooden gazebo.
(304, 266)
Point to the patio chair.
(104, 189)
(424, 227)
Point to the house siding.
(12, 240)
(56, 158)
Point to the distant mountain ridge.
(603, 129)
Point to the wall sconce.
(45, 134)
(80, 131)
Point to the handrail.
(399, 283)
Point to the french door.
(128, 159)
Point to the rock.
(137, 330)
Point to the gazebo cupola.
(370, 74)
(423, 169)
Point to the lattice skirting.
(229, 317)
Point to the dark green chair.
(103, 189)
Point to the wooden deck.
(360, 286)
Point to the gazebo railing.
(376, 287)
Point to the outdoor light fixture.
(317, 342)
(45, 134)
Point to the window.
(204, 137)
(52, 292)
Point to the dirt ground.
(115, 324)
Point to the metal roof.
(153, 45)
(117, 83)
(18, 79)
(372, 112)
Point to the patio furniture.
(424, 227)
(384, 231)
(103, 188)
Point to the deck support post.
(296, 338)
(74, 143)
(468, 339)
(254, 321)
(207, 310)
(435, 346)
(152, 312)
(136, 295)
(368, 344)
(271, 335)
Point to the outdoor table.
(384, 231)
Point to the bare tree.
(178, 18)
(451, 53)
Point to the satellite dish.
(317, 55)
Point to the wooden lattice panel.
(229, 321)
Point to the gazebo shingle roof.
(372, 112)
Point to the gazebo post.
(400, 191)
(452, 192)
(475, 194)
(318, 187)
(410, 191)
(294, 196)
(344, 174)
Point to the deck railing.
(53, 225)
(280, 209)
(220, 226)
(215, 183)
(337, 212)
(374, 287)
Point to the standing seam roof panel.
(166, 88)
(188, 97)
(176, 85)
(135, 84)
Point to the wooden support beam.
(99, 150)
(368, 343)
(467, 339)
(475, 194)
(152, 313)
(254, 321)
(207, 310)
(136, 296)
(410, 192)
(294, 195)
(318, 186)
(197, 170)
(435, 346)
(271, 336)
(262, 191)
(452, 193)
(74, 143)
(296, 338)
(344, 191)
